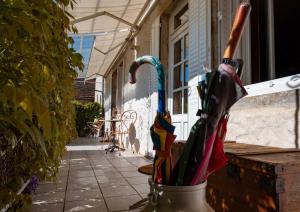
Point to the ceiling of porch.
(111, 22)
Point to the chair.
(99, 124)
(96, 127)
(127, 119)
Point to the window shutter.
(199, 32)
(225, 24)
(227, 13)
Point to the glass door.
(179, 71)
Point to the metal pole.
(97, 14)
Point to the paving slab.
(121, 202)
(91, 180)
(91, 205)
(57, 207)
(113, 191)
(74, 195)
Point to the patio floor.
(90, 180)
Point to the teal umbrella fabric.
(162, 129)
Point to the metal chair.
(96, 127)
(127, 119)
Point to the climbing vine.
(37, 72)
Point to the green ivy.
(86, 113)
(37, 72)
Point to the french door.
(178, 80)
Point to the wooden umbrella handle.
(237, 29)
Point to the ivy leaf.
(69, 14)
(27, 106)
(40, 139)
(45, 122)
(10, 92)
(37, 71)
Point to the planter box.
(257, 178)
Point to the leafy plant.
(37, 72)
(86, 113)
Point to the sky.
(83, 45)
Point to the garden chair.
(127, 119)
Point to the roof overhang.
(112, 22)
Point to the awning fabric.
(109, 32)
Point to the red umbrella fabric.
(218, 91)
(207, 135)
(214, 156)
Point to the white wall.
(142, 96)
(107, 100)
(99, 89)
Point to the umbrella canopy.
(218, 91)
(162, 130)
(222, 90)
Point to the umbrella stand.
(162, 130)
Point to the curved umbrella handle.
(161, 77)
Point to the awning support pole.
(111, 49)
(97, 14)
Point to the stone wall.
(271, 120)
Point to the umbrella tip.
(245, 3)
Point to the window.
(287, 43)
(181, 17)
(180, 75)
(275, 46)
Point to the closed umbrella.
(162, 130)
(218, 90)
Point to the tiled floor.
(91, 180)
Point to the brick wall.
(85, 90)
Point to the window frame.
(176, 35)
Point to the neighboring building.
(99, 90)
(189, 36)
(85, 90)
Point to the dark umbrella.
(162, 130)
(218, 90)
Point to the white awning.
(110, 21)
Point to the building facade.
(189, 37)
(85, 90)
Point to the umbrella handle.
(161, 77)
(237, 29)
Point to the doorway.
(179, 70)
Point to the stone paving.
(91, 180)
